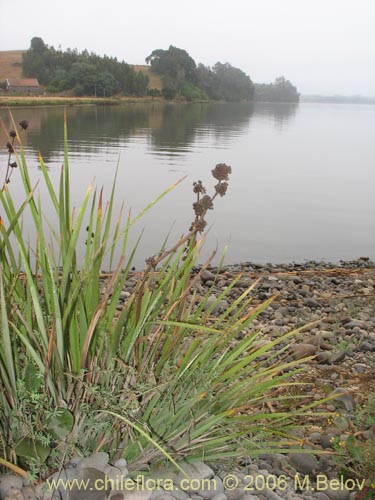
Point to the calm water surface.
(301, 188)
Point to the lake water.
(302, 183)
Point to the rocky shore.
(337, 302)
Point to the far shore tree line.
(84, 73)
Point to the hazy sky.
(322, 46)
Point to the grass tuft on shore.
(163, 377)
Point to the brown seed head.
(206, 202)
(198, 209)
(10, 147)
(198, 187)
(13, 133)
(221, 171)
(23, 124)
(221, 188)
(13, 165)
(199, 225)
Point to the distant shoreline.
(29, 101)
(33, 101)
(336, 99)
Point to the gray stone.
(97, 460)
(8, 482)
(340, 494)
(338, 356)
(207, 276)
(116, 495)
(120, 463)
(360, 367)
(210, 301)
(319, 495)
(235, 494)
(341, 423)
(300, 351)
(97, 491)
(120, 466)
(311, 303)
(212, 489)
(220, 496)
(65, 475)
(157, 493)
(271, 495)
(222, 305)
(343, 398)
(366, 346)
(48, 496)
(219, 307)
(180, 495)
(242, 283)
(164, 496)
(369, 434)
(315, 437)
(195, 470)
(29, 493)
(73, 462)
(324, 357)
(138, 495)
(355, 323)
(14, 494)
(306, 463)
(114, 475)
(164, 474)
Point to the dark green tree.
(37, 45)
(206, 81)
(33, 61)
(232, 84)
(154, 93)
(86, 72)
(281, 90)
(169, 93)
(173, 63)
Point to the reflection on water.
(297, 187)
(169, 128)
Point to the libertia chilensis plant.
(159, 377)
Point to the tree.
(169, 93)
(60, 80)
(284, 90)
(154, 93)
(105, 84)
(174, 63)
(206, 81)
(84, 71)
(33, 61)
(231, 83)
(281, 90)
(37, 45)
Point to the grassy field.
(155, 80)
(10, 64)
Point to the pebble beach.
(336, 303)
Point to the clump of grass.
(162, 377)
(356, 454)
